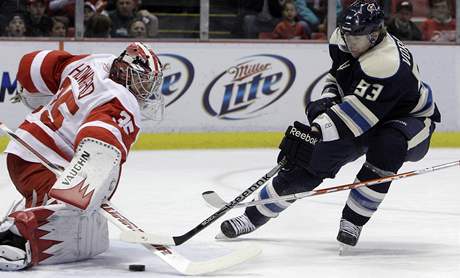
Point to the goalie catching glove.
(298, 144)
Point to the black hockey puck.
(137, 267)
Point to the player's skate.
(235, 227)
(348, 235)
(14, 249)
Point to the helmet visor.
(144, 85)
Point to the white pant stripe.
(271, 191)
(371, 194)
(358, 208)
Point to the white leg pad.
(80, 235)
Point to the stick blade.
(213, 199)
(236, 257)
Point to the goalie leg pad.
(60, 233)
(91, 176)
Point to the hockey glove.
(298, 144)
(318, 107)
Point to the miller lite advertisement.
(248, 87)
(238, 86)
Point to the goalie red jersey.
(84, 103)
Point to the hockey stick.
(178, 240)
(168, 255)
(137, 237)
(213, 199)
(175, 259)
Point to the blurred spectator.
(63, 8)
(59, 27)
(258, 16)
(314, 12)
(16, 26)
(401, 25)
(441, 26)
(67, 7)
(37, 22)
(7, 8)
(89, 10)
(99, 26)
(125, 12)
(151, 22)
(99, 5)
(137, 28)
(289, 28)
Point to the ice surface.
(415, 233)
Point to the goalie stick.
(213, 199)
(172, 257)
(167, 254)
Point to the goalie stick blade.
(141, 237)
(236, 257)
(187, 267)
(213, 199)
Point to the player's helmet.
(362, 18)
(139, 70)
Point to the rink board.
(240, 87)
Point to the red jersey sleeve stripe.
(51, 68)
(110, 113)
(24, 72)
(64, 61)
(41, 71)
(36, 72)
(128, 139)
(43, 137)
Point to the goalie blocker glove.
(298, 144)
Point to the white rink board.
(201, 88)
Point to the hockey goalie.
(85, 118)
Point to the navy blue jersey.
(382, 84)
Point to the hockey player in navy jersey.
(374, 103)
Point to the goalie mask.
(361, 26)
(140, 71)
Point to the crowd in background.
(416, 20)
(55, 18)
